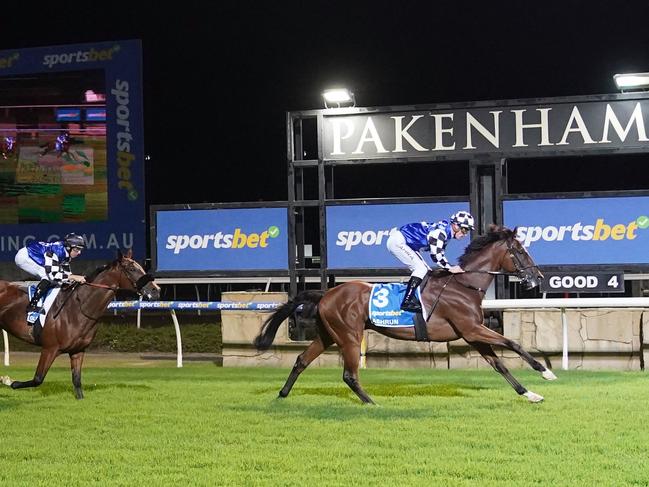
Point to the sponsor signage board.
(357, 234)
(228, 239)
(582, 231)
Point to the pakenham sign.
(507, 128)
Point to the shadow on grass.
(393, 390)
(351, 410)
(58, 388)
(7, 403)
(389, 390)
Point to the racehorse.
(71, 324)
(454, 302)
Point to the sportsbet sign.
(222, 239)
(582, 230)
(357, 234)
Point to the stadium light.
(338, 98)
(632, 81)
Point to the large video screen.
(71, 147)
(53, 166)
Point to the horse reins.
(515, 259)
(140, 283)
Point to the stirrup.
(411, 305)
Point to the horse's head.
(518, 260)
(134, 277)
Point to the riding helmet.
(463, 219)
(73, 240)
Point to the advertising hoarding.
(357, 234)
(224, 239)
(582, 231)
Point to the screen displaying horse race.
(53, 161)
(71, 146)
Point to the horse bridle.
(138, 284)
(514, 254)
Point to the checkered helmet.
(463, 219)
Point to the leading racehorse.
(71, 324)
(454, 302)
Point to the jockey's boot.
(41, 289)
(410, 301)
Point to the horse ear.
(493, 228)
(120, 256)
(129, 254)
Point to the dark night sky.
(218, 80)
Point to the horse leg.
(351, 359)
(487, 335)
(319, 345)
(76, 362)
(492, 359)
(44, 364)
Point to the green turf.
(154, 424)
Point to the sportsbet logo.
(80, 56)
(220, 240)
(600, 231)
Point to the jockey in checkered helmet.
(463, 219)
(407, 241)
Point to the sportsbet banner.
(357, 234)
(582, 230)
(222, 239)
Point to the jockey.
(7, 146)
(406, 243)
(51, 262)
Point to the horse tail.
(307, 299)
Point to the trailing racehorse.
(453, 301)
(71, 324)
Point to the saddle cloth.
(385, 305)
(44, 304)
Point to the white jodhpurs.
(399, 248)
(25, 262)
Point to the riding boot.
(410, 301)
(41, 289)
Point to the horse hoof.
(549, 375)
(6, 380)
(533, 396)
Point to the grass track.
(154, 424)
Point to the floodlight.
(632, 81)
(338, 97)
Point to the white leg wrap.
(533, 396)
(549, 375)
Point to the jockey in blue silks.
(50, 261)
(407, 242)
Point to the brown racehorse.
(71, 324)
(454, 299)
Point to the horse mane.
(495, 234)
(93, 275)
